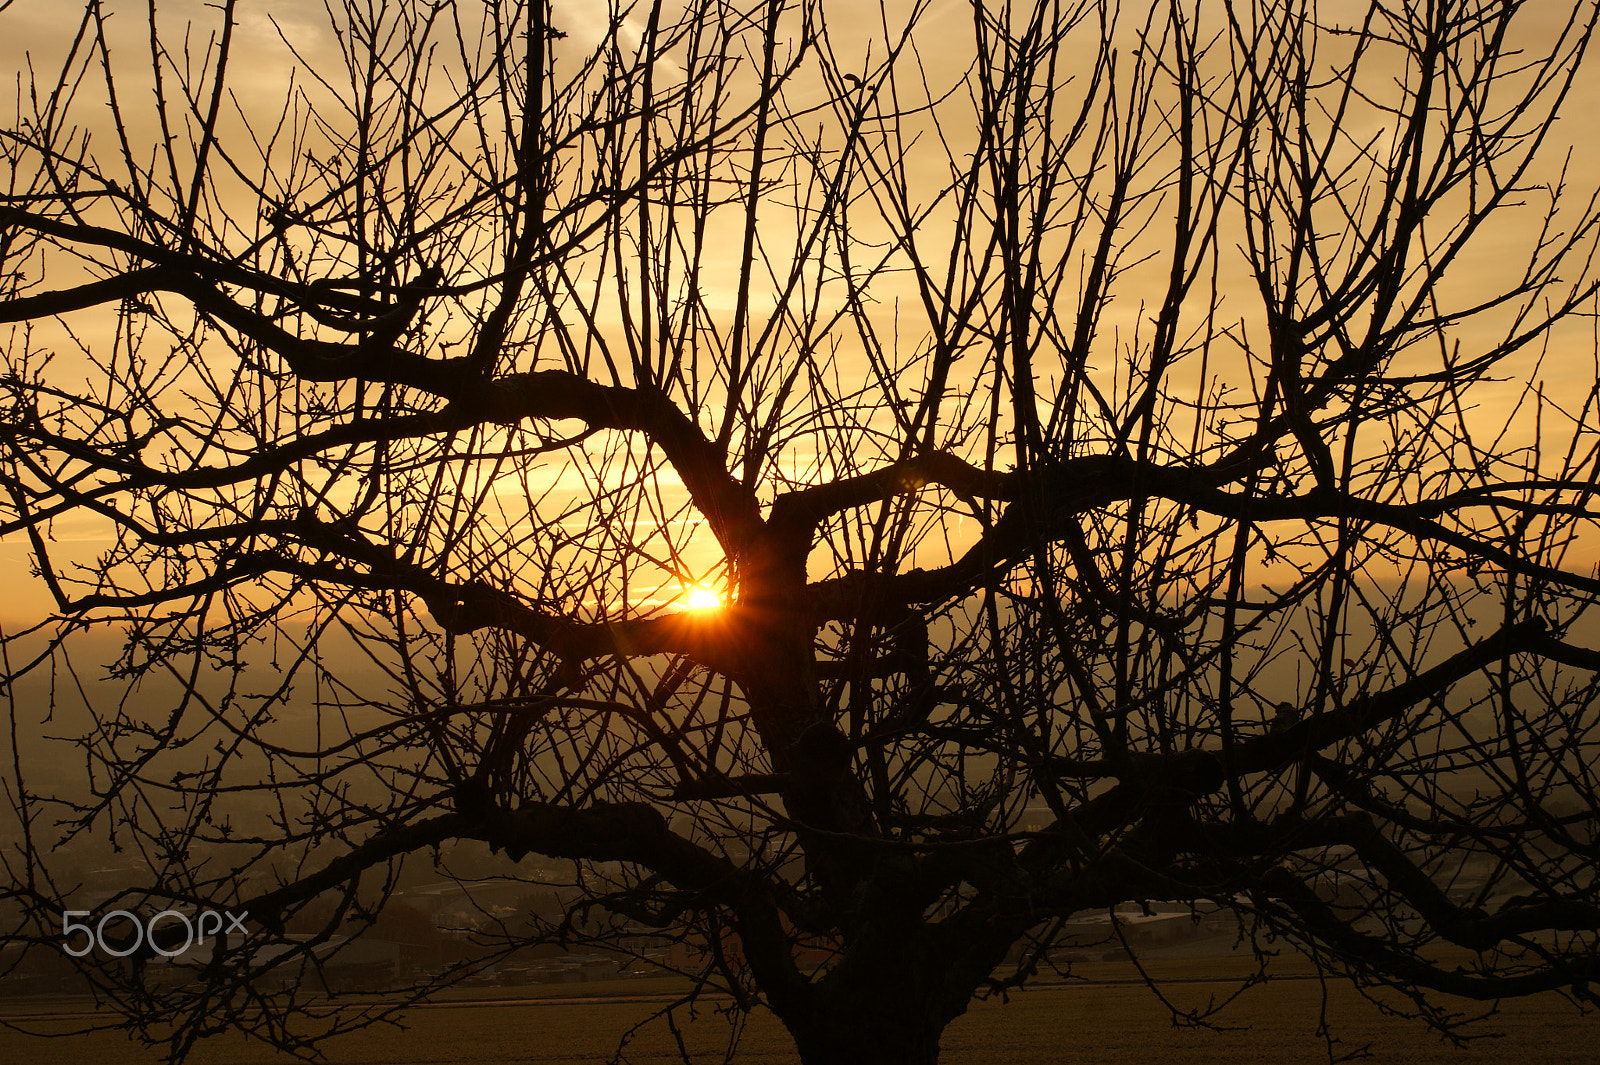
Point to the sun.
(702, 598)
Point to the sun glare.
(703, 598)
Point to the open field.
(1104, 1022)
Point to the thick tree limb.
(811, 505)
(622, 832)
(167, 267)
(1081, 484)
(729, 506)
(1271, 751)
(1375, 954)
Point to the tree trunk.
(860, 1037)
(885, 1002)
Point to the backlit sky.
(35, 32)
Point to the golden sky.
(36, 34)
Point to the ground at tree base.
(1109, 1021)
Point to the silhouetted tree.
(1145, 453)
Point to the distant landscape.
(1110, 1018)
